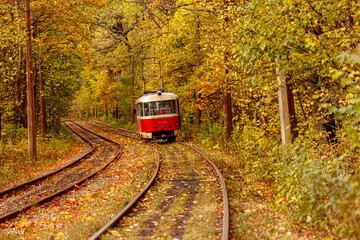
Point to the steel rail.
(42, 177)
(226, 218)
(136, 136)
(225, 231)
(133, 202)
(62, 191)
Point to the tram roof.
(157, 96)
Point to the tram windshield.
(159, 108)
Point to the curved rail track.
(44, 188)
(113, 221)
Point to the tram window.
(167, 107)
(139, 110)
(146, 109)
(153, 106)
(159, 108)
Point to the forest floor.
(252, 210)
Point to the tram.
(158, 116)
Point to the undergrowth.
(14, 164)
(122, 122)
(317, 184)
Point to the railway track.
(181, 176)
(44, 188)
(116, 130)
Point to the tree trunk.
(58, 122)
(228, 115)
(18, 88)
(19, 111)
(116, 112)
(32, 153)
(132, 119)
(198, 112)
(43, 120)
(0, 121)
(23, 102)
(197, 36)
(287, 111)
(94, 112)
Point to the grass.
(53, 151)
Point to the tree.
(30, 88)
(306, 37)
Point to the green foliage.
(11, 133)
(347, 110)
(320, 191)
(124, 123)
(62, 82)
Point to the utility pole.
(287, 110)
(32, 154)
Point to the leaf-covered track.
(122, 132)
(184, 182)
(226, 214)
(36, 192)
(133, 202)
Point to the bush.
(320, 191)
(12, 132)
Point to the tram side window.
(139, 109)
(146, 109)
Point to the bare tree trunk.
(23, 101)
(32, 151)
(197, 36)
(132, 119)
(287, 110)
(19, 70)
(0, 120)
(43, 118)
(116, 112)
(58, 122)
(227, 103)
(18, 87)
(95, 111)
(228, 115)
(198, 112)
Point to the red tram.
(158, 116)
